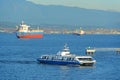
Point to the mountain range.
(14, 11)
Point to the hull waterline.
(30, 36)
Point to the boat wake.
(17, 62)
(107, 49)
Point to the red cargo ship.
(23, 31)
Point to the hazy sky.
(112, 5)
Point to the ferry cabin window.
(69, 59)
(65, 50)
(52, 58)
(44, 57)
(89, 59)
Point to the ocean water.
(18, 57)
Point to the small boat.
(80, 32)
(23, 31)
(64, 57)
(90, 50)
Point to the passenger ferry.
(64, 57)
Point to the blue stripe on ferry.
(59, 62)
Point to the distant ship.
(79, 32)
(23, 31)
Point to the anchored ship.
(24, 31)
(80, 32)
(65, 57)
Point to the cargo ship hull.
(29, 35)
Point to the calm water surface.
(18, 57)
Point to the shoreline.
(65, 31)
